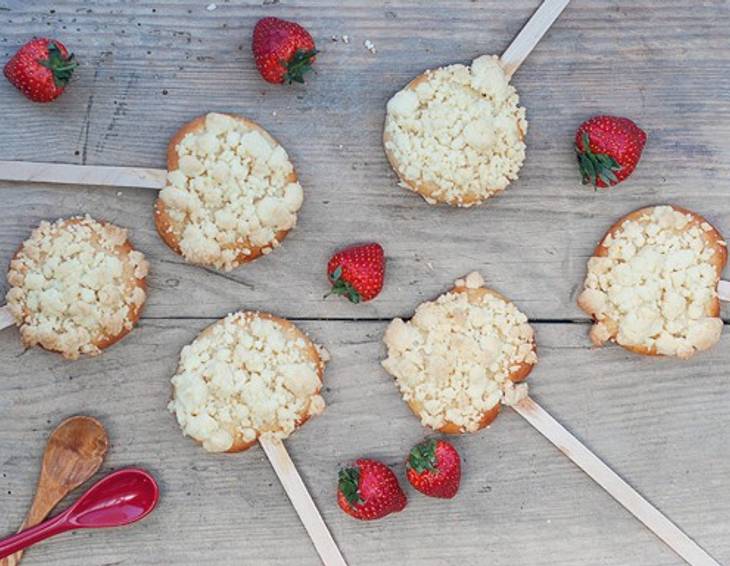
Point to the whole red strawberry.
(284, 51)
(41, 69)
(357, 272)
(369, 490)
(434, 468)
(608, 149)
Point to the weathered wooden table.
(147, 67)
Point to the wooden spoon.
(75, 450)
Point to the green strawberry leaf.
(595, 166)
(423, 457)
(61, 67)
(342, 287)
(349, 480)
(300, 63)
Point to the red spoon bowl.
(123, 497)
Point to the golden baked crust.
(171, 233)
(452, 428)
(518, 370)
(431, 192)
(311, 351)
(100, 340)
(711, 236)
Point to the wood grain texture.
(521, 501)
(603, 475)
(148, 67)
(662, 63)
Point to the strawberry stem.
(595, 166)
(61, 67)
(349, 480)
(423, 457)
(342, 287)
(300, 63)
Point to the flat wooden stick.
(613, 484)
(6, 319)
(530, 35)
(723, 290)
(82, 174)
(302, 501)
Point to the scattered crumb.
(369, 45)
(429, 265)
(340, 146)
(345, 39)
(273, 113)
(334, 38)
(211, 7)
(119, 193)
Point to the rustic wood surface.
(149, 66)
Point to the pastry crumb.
(456, 134)
(456, 359)
(246, 376)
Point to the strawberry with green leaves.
(357, 272)
(369, 490)
(434, 468)
(284, 50)
(608, 149)
(41, 69)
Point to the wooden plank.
(148, 67)
(609, 480)
(531, 243)
(535, 257)
(657, 423)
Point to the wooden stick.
(6, 318)
(82, 174)
(613, 484)
(302, 501)
(527, 39)
(723, 290)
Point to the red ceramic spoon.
(118, 499)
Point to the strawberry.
(357, 272)
(608, 149)
(369, 490)
(41, 69)
(284, 50)
(434, 468)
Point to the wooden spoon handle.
(723, 290)
(621, 491)
(6, 318)
(82, 174)
(531, 34)
(302, 501)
